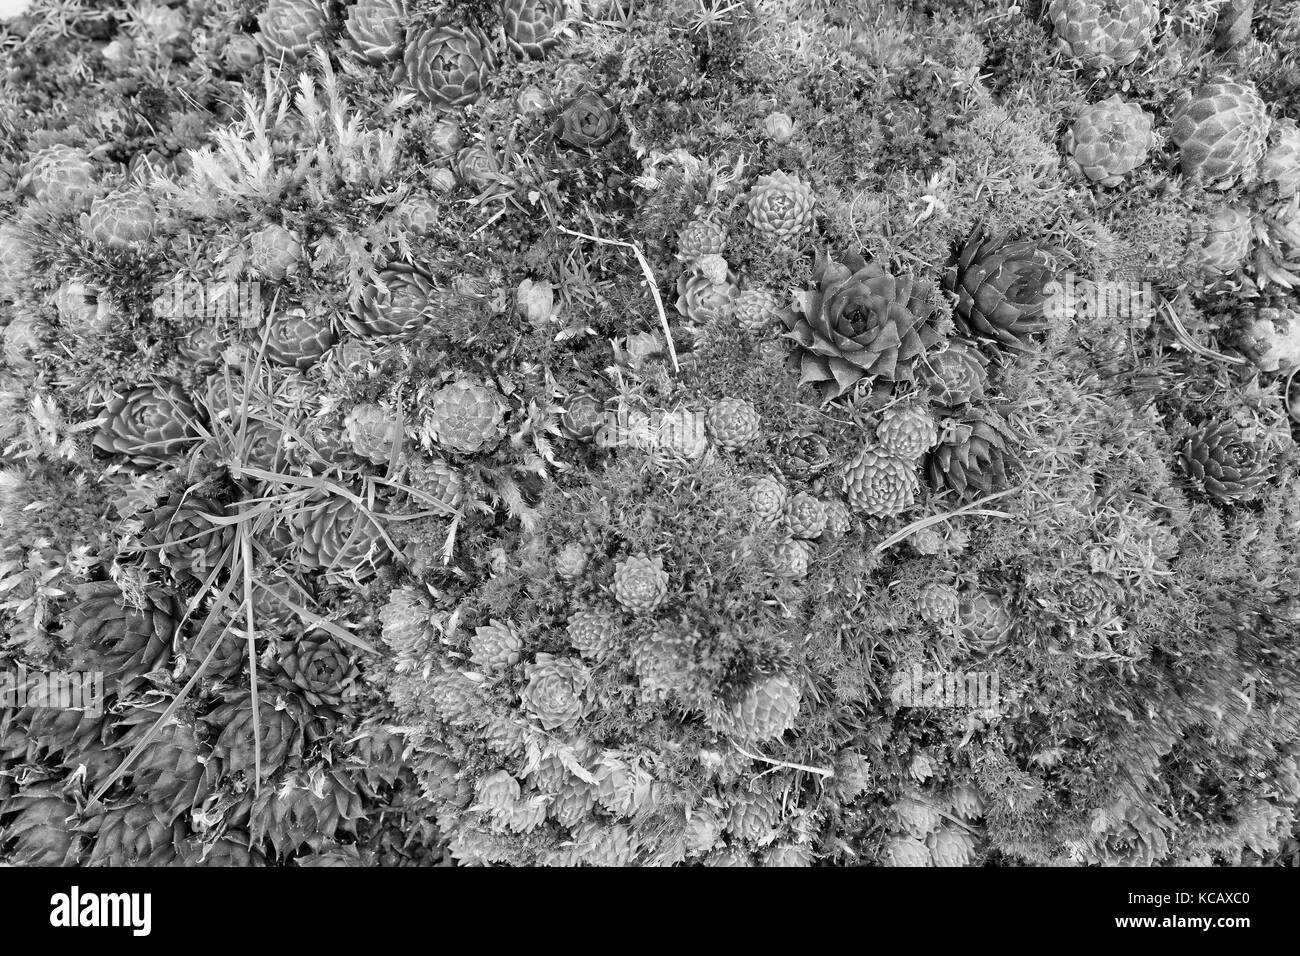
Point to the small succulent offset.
(781, 206)
(587, 122)
(1221, 132)
(880, 484)
(860, 322)
(1103, 34)
(273, 251)
(733, 422)
(701, 237)
(179, 534)
(332, 533)
(447, 63)
(149, 424)
(122, 219)
(1109, 140)
(464, 417)
(1225, 241)
(59, 174)
(297, 338)
(531, 25)
(373, 431)
(1002, 288)
(701, 298)
(400, 303)
(319, 669)
(1226, 464)
(555, 693)
(640, 583)
(289, 28)
(376, 29)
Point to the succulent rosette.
(1221, 132)
(125, 643)
(860, 323)
(587, 122)
(640, 583)
(241, 54)
(880, 484)
(781, 206)
(373, 431)
(122, 219)
(446, 63)
(954, 376)
(332, 533)
(582, 417)
(376, 29)
(756, 310)
(319, 668)
(273, 251)
(465, 417)
(1225, 241)
(702, 299)
(400, 303)
(149, 424)
(280, 736)
(972, 453)
(733, 422)
(297, 338)
(1227, 465)
(556, 691)
(1281, 164)
(1109, 140)
(178, 534)
(1103, 33)
(531, 25)
(289, 28)
(1002, 288)
(984, 621)
(59, 174)
(701, 237)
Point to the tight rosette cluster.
(860, 322)
(446, 63)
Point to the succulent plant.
(59, 174)
(681, 432)
(464, 417)
(701, 237)
(1220, 132)
(400, 303)
(495, 645)
(1103, 33)
(781, 206)
(123, 642)
(1002, 288)
(860, 323)
(908, 431)
(805, 516)
(951, 846)
(779, 127)
(880, 484)
(956, 375)
(373, 431)
(149, 424)
(984, 621)
(332, 533)
(587, 122)
(273, 251)
(702, 299)
(241, 54)
(768, 496)
(555, 692)
(640, 583)
(177, 535)
(132, 835)
(280, 736)
(42, 828)
(319, 669)
(593, 634)
(1226, 241)
(972, 454)
(297, 338)
(376, 29)
(733, 422)
(446, 63)
(756, 310)
(1109, 140)
(436, 479)
(289, 28)
(530, 25)
(792, 558)
(122, 219)
(766, 709)
(1227, 465)
(1281, 163)
(571, 561)
(937, 603)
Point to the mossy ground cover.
(579, 417)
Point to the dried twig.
(1181, 333)
(971, 509)
(650, 280)
(781, 763)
